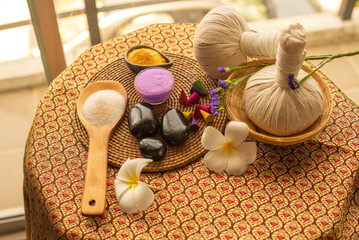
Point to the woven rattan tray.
(123, 145)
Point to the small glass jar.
(154, 84)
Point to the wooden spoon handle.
(94, 196)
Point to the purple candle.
(154, 85)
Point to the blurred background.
(23, 79)
(19, 46)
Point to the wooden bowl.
(136, 68)
(234, 108)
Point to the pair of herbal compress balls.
(223, 39)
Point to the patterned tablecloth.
(304, 191)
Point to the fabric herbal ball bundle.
(268, 99)
(223, 39)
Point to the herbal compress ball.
(269, 101)
(223, 39)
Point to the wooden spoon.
(94, 196)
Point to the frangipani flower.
(131, 193)
(228, 152)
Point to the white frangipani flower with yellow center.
(228, 152)
(131, 193)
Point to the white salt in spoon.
(94, 196)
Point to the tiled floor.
(17, 109)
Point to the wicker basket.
(235, 109)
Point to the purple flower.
(214, 104)
(214, 110)
(222, 84)
(213, 91)
(292, 82)
(221, 70)
(214, 100)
